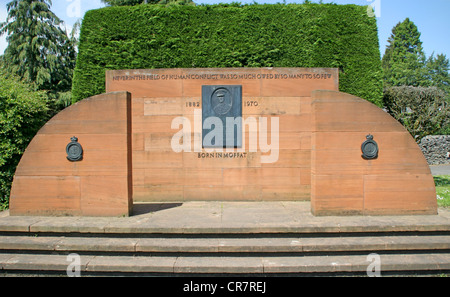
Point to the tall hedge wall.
(270, 35)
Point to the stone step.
(225, 245)
(226, 218)
(227, 265)
(224, 238)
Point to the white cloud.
(73, 9)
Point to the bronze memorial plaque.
(222, 116)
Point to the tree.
(438, 71)
(39, 50)
(404, 60)
(23, 111)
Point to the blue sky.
(431, 17)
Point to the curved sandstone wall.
(398, 181)
(47, 183)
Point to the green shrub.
(444, 131)
(22, 113)
(422, 111)
(207, 36)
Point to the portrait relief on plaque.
(222, 116)
(221, 101)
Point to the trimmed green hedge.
(269, 35)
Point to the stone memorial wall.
(170, 162)
(244, 134)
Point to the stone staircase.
(226, 239)
(256, 254)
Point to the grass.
(443, 190)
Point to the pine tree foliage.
(439, 72)
(404, 59)
(417, 90)
(39, 49)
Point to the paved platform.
(225, 238)
(226, 217)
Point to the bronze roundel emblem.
(74, 150)
(369, 148)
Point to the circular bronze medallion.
(74, 150)
(369, 148)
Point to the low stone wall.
(436, 149)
